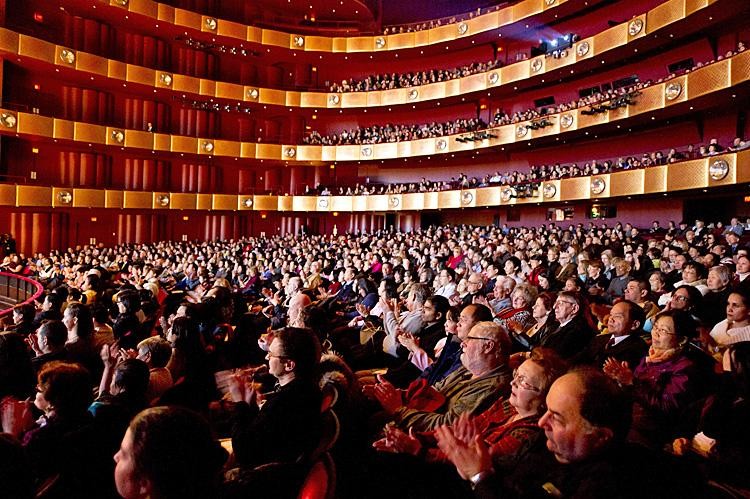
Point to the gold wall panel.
(92, 64)
(575, 188)
(265, 203)
(292, 99)
(34, 124)
(309, 153)
(319, 43)
(352, 99)
(374, 99)
(395, 96)
(162, 142)
(226, 202)
(203, 201)
(413, 201)
(742, 162)
(431, 200)
(37, 49)
(376, 203)
(254, 34)
(307, 203)
(272, 96)
(740, 67)
(708, 79)
(664, 14)
(268, 151)
(9, 41)
(694, 5)
(229, 148)
(345, 153)
(284, 203)
(32, 195)
(139, 139)
(183, 201)
(232, 29)
(7, 195)
(651, 98)
(515, 72)
(137, 200)
(731, 177)
(553, 63)
(114, 199)
(277, 38)
(421, 147)
(359, 203)
(166, 13)
(626, 183)
(181, 143)
(117, 69)
(683, 82)
(86, 132)
(487, 196)
(449, 199)
(248, 150)
(207, 87)
(341, 203)
(229, 91)
(687, 175)
(609, 39)
(526, 9)
(183, 83)
(471, 83)
(655, 179)
(144, 7)
(340, 44)
(404, 40)
(188, 19)
(314, 99)
(139, 74)
(587, 120)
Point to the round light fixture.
(719, 169)
(64, 197)
(673, 90)
(597, 186)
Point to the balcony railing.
(16, 289)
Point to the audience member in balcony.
(48, 343)
(51, 308)
(80, 343)
(22, 319)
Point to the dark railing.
(16, 289)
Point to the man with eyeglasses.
(474, 285)
(483, 377)
(573, 335)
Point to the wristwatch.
(478, 477)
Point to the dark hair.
(515, 261)
(450, 272)
(700, 269)
(130, 299)
(480, 313)
(85, 322)
(441, 305)
(187, 336)
(132, 377)
(55, 332)
(743, 293)
(635, 312)
(174, 449)
(302, 346)
(548, 299)
(739, 354)
(694, 295)
(26, 311)
(603, 403)
(684, 324)
(56, 299)
(16, 372)
(66, 386)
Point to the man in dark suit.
(574, 334)
(623, 340)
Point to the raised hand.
(469, 458)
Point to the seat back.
(320, 482)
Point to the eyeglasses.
(477, 338)
(659, 330)
(680, 298)
(522, 381)
(565, 302)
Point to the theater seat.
(320, 482)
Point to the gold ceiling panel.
(8, 195)
(32, 195)
(687, 175)
(626, 183)
(708, 79)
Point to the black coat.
(631, 350)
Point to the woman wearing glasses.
(508, 428)
(666, 382)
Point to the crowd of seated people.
(602, 100)
(537, 173)
(436, 23)
(390, 81)
(507, 360)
